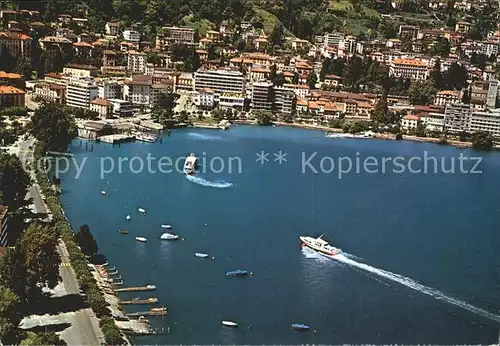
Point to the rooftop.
(5, 89)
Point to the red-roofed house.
(17, 43)
(410, 122)
(103, 107)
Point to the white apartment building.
(131, 35)
(231, 100)
(103, 107)
(136, 62)
(457, 117)
(205, 98)
(303, 91)
(489, 48)
(109, 89)
(409, 68)
(433, 121)
(180, 35)
(262, 96)
(488, 121)
(285, 100)
(220, 81)
(121, 108)
(491, 97)
(410, 122)
(333, 39)
(112, 28)
(80, 91)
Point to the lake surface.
(420, 251)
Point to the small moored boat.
(104, 193)
(141, 239)
(128, 218)
(166, 226)
(122, 231)
(169, 236)
(300, 327)
(141, 210)
(230, 324)
(201, 255)
(238, 272)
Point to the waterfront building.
(204, 98)
(179, 35)
(11, 96)
(77, 70)
(185, 81)
(285, 100)
(51, 92)
(103, 107)
(262, 96)
(488, 120)
(302, 90)
(136, 62)
(121, 108)
(231, 100)
(433, 121)
(457, 117)
(220, 81)
(109, 89)
(80, 91)
(409, 122)
(491, 97)
(4, 236)
(408, 68)
(17, 43)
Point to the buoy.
(213, 258)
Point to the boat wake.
(204, 182)
(416, 286)
(200, 136)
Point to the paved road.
(85, 327)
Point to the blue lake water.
(436, 235)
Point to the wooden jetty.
(151, 300)
(136, 289)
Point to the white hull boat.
(142, 210)
(190, 164)
(169, 236)
(128, 218)
(166, 226)
(319, 245)
(201, 255)
(141, 239)
(230, 324)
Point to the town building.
(491, 97)
(262, 96)
(11, 96)
(103, 107)
(204, 98)
(184, 81)
(488, 121)
(457, 117)
(12, 79)
(17, 43)
(51, 92)
(445, 97)
(408, 68)
(121, 108)
(49, 42)
(136, 62)
(179, 35)
(4, 223)
(285, 100)
(462, 27)
(410, 122)
(80, 91)
(333, 39)
(109, 89)
(77, 70)
(408, 31)
(220, 81)
(112, 28)
(131, 35)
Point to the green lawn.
(202, 25)
(340, 5)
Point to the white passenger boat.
(190, 164)
(141, 239)
(319, 245)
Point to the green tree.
(52, 125)
(14, 182)
(482, 140)
(380, 113)
(279, 80)
(421, 92)
(167, 100)
(311, 80)
(466, 97)
(86, 240)
(263, 117)
(436, 76)
(13, 272)
(441, 47)
(277, 35)
(9, 315)
(218, 114)
(41, 259)
(455, 77)
(7, 60)
(35, 339)
(183, 116)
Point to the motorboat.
(300, 327)
(141, 239)
(151, 287)
(122, 231)
(169, 236)
(238, 272)
(128, 218)
(104, 193)
(201, 255)
(141, 210)
(230, 324)
(319, 245)
(190, 164)
(166, 226)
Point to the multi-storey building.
(112, 28)
(80, 91)
(131, 35)
(445, 97)
(408, 31)
(220, 81)
(103, 107)
(180, 35)
(285, 100)
(109, 89)
(17, 43)
(491, 97)
(121, 108)
(205, 98)
(457, 117)
(77, 70)
(262, 96)
(51, 92)
(409, 68)
(489, 48)
(333, 39)
(136, 62)
(11, 96)
(488, 121)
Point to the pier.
(136, 289)
(152, 312)
(152, 300)
(117, 138)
